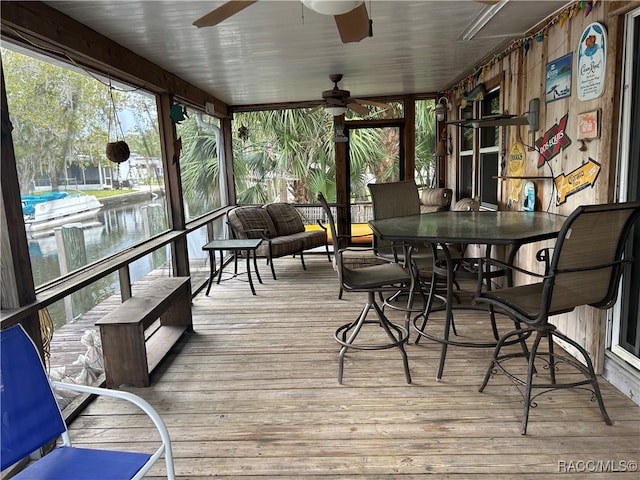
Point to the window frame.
(489, 148)
(479, 158)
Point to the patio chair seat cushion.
(311, 238)
(358, 257)
(466, 205)
(81, 463)
(280, 247)
(374, 276)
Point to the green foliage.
(425, 141)
(290, 154)
(284, 151)
(62, 116)
(199, 168)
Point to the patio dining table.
(509, 228)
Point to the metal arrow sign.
(581, 178)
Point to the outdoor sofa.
(280, 225)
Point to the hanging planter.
(117, 151)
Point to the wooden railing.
(63, 286)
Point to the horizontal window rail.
(66, 285)
(61, 287)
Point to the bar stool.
(374, 280)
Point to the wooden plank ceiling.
(280, 51)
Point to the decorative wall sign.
(553, 141)
(582, 177)
(529, 196)
(515, 162)
(558, 78)
(178, 113)
(589, 125)
(592, 59)
(474, 95)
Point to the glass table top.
(498, 228)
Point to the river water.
(120, 227)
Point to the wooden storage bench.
(131, 352)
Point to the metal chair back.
(330, 220)
(394, 199)
(588, 258)
(30, 415)
(32, 419)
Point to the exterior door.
(625, 338)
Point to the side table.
(236, 246)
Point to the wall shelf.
(491, 121)
(524, 177)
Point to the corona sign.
(581, 178)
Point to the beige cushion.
(466, 205)
(435, 199)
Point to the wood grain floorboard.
(252, 393)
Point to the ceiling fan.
(351, 17)
(337, 101)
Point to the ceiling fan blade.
(223, 12)
(353, 26)
(356, 107)
(373, 103)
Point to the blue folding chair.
(31, 419)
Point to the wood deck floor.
(253, 393)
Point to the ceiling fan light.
(331, 7)
(336, 111)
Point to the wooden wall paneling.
(512, 93)
(586, 324)
(557, 43)
(532, 82)
(524, 80)
(560, 42)
(597, 149)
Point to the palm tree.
(288, 155)
(425, 142)
(199, 166)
